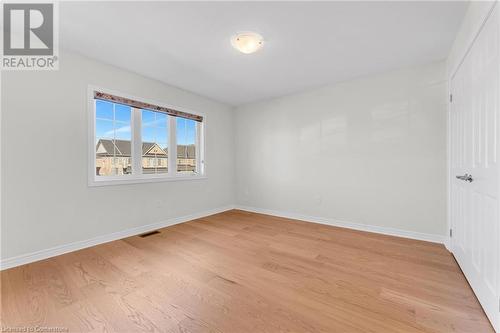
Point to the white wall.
(45, 198)
(369, 151)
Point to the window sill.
(139, 180)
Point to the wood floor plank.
(245, 272)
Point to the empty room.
(250, 166)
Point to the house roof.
(151, 148)
(123, 147)
(108, 147)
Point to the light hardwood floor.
(245, 272)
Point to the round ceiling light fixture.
(247, 42)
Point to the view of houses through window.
(114, 133)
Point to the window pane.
(162, 160)
(122, 113)
(104, 129)
(186, 145)
(148, 134)
(161, 120)
(122, 122)
(123, 132)
(148, 117)
(113, 139)
(161, 135)
(154, 142)
(103, 110)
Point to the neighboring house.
(186, 158)
(113, 157)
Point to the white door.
(474, 151)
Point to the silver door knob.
(466, 177)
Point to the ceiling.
(307, 44)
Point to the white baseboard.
(447, 243)
(350, 225)
(61, 249)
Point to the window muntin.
(120, 131)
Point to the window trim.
(94, 180)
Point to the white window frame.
(135, 122)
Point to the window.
(186, 145)
(114, 137)
(137, 141)
(154, 142)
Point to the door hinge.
(451, 233)
(451, 98)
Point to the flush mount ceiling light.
(247, 42)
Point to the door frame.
(481, 19)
